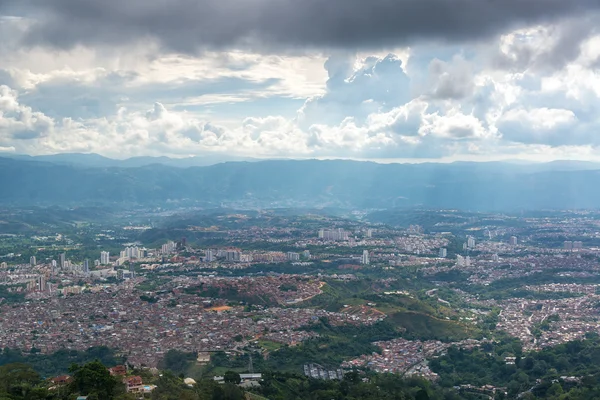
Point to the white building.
(333, 235)
(168, 247)
(443, 253)
(32, 261)
(365, 257)
(105, 258)
(513, 241)
(471, 242)
(291, 256)
(210, 255)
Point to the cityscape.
(299, 200)
(409, 295)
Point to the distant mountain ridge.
(96, 160)
(312, 183)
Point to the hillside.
(310, 183)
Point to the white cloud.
(529, 93)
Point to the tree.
(232, 377)
(422, 395)
(19, 380)
(93, 379)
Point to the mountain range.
(299, 183)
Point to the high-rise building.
(291, 256)
(495, 258)
(246, 258)
(333, 235)
(168, 247)
(54, 264)
(61, 260)
(3, 265)
(568, 245)
(104, 258)
(443, 253)
(210, 255)
(513, 240)
(233, 255)
(471, 242)
(467, 261)
(577, 245)
(306, 254)
(369, 233)
(86, 266)
(365, 257)
(41, 283)
(460, 261)
(32, 261)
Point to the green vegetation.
(176, 361)
(8, 294)
(149, 299)
(282, 386)
(425, 327)
(579, 359)
(49, 365)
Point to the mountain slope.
(351, 184)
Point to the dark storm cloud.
(190, 25)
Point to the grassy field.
(269, 345)
(424, 326)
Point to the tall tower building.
(104, 258)
(41, 283)
(365, 257)
(86, 266)
(32, 261)
(62, 260)
(210, 256)
(443, 253)
(513, 240)
(471, 242)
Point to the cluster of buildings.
(144, 328)
(407, 357)
(543, 323)
(316, 371)
(333, 235)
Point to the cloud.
(19, 122)
(541, 125)
(192, 25)
(450, 80)
(375, 84)
(545, 47)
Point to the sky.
(385, 80)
